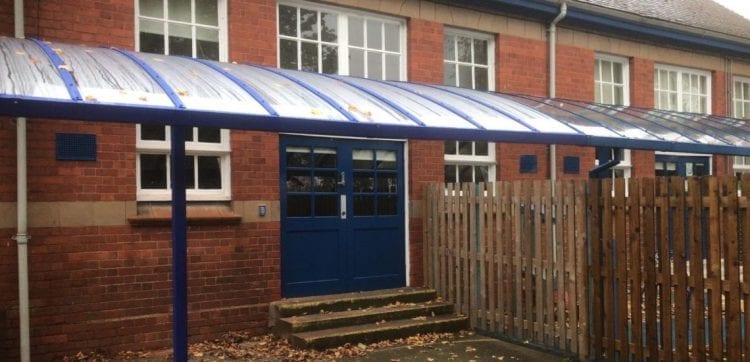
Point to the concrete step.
(373, 332)
(295, 324)
(342, 302)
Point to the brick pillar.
(642, 83)
(522, 65)
(252, 31)
(642, 163)
(719, 102)
(575, 73)
(425, 157)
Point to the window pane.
(465, 147)
(326, 205)
(209, 172)
(607, 93)
(481, 149)
(463, 48)
(464, 76)
(206, 12)
(392, 67)
(179, 10)
(298, 181)
(330, 59)
(596, 70)
(449, 52)
(153, 132)
(450, 147)
(746, 108)
(617, 70)
(287, 20)
(480, 51)
(209, 134)
(746, 91)
(324, 157)
(309, 57)
(606, 71)
(356, 62)
(374, 65)
(325, 181)
(364, 205)
(153, 171)
(619, 96)
(387, 205)
(672, 81)
(329, 27)
(450, 173)
(298, 205)
(189, 172)
(386, 160)
(362, 159)
(703, 82)
(449, 74)
(356, 31)
(297, 157)
(481, 174)
(151, 36)
(374, 35)
(207, 43)
(480, 79)
(180, 40)
(308, 24)
(189, 134)
(152, 8)
(387, 183)
(392, 41)
(364, 182)
(598, 92)
(465, 173)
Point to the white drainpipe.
(552, 87)
(22, 237)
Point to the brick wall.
(110, 178)
(719, 94)
(642, 82)
(522, 65)
(110, 287)
(643, 163)
(255, 165)
(252, 24)
(575, 73)
(7, 160)
(586, 157)
(82, 21)
(7, 25)
(425, 50)
(508, 164)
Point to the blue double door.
(673, 165)
(342, 216)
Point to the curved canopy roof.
(53, 80)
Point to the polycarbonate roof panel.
(28, 71)
(105, 75)
(658, 129)
(122, 86)
(485, 116)
(288, 98)
(679, 125)
(200, 87)
(430, 113)
(364, 107)
(530, 116)
(581, 124)
(726, 130)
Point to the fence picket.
(731, 267)
(635, 263)
(697, 330)
(594, 218)
(664, 276)
(620, 272)
(648, 193)
(714, 268)
(744, 222)
(679, 277)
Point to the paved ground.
(464, 349)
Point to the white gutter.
(22, 237)
(552, 88)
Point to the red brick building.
(99, 253)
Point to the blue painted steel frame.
(67, 77)
(155, 76)
(179, 245)
(91, 111)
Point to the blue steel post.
(179, 245)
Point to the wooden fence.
(659, 273)
(493, 254)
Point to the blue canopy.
(54, 80)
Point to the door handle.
(342, 179)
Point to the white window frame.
(192, 148)
(342, 42)
(741, 99)
(599, 84)
(488, 160)
(680, 94)
(490, 39)
(221, 8)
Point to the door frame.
(407, 195)
(710, 158)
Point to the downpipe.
(552, 90)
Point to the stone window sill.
(160, 214)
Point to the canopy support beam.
(179, 245)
